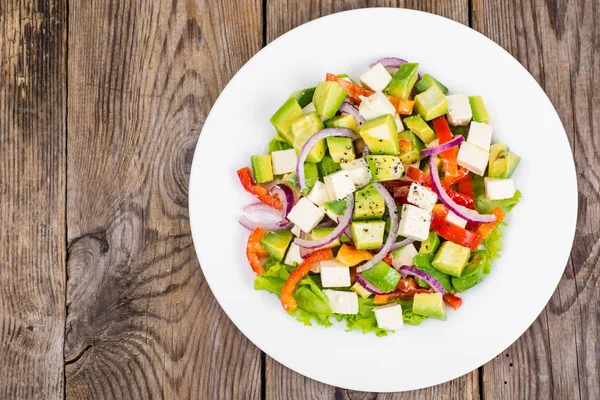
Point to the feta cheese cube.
(389, 316)
(306, 215)
(342, 302)
(309, 108)
(339, 185)
(359, 172)
(377, 78)
(375, 106)
(284, 161)
(334, 274)
(414, 222)
(455, 219)
(459, 110)
(404, 256)
(293, 255)
(480, 135)
(398, 122)
(498, 189)
(330, 214)
(472, 158)
(421, 196)
(318, 194)
(296, 230)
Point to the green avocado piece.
(477, 268)
(404, 80)
(341, 149)
(495, 151)
(431, 103)
(431, 244)
(302, 129)
(429, 305)
(327, 166)
(277, 243)
(343, 121)
(381, 135)
(478, 109)
(383, 277)
(420, 128)
(423, 262)
(385, 168)
(277, 145)
(425, 83)
(283, 118)
(451, 258)
(359, 290)
(368, 204)
(504, 165)
(319, 233)
(414, 154)
(262, 168)
(336, 206)
(311, 175)
(328, 98)
(304, 96)
(368, 235)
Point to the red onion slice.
(282, 225)
(286, 195)
(322, 134)
(431, 281)
(403, 243)
(368, 285)
(393, 210)
(461, 211)
(458, 139)
(351, 109)
(261, 207)
(343, 224)
(304, 252)
(389, 62)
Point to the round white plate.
(537, 241)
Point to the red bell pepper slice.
(287, 293)
(465, 186)
(455, 233)
(452, 300)
(254, 250)
(442, 130)
(257, 190)
(418, 176)
(462, 174)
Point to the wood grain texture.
(141, 320)
(281, 382)
(32, 198)
(558, 42)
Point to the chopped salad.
(388, 196)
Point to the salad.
(387, 199)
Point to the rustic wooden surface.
(101, 104)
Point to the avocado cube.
(431, 103)
(303, 129)
(413, 154)
(404, 256)
(381, 135)
(283, 118)
(262, 169)
(451, 258)
(320, 233)
(404, 80)
(343, 121)
(277, 243)
(277, 145)
(429, 305)
(304, 96)
(368, 204)
(475, 272)
(328, 98)
(420, 128)
(478, 109)
(341, 149)
(383, 277)
(327, 166)
(385, 168)
(504, 165)
(431, 244)
(495, 151)
(368, 235)
(425, 83)
(311, 175)
(359, 290)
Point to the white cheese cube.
(284, 161)
(455, 219)
(404, 256)
(480, 135)
(377, 78)
(414, 222)
(389, 316)
(309, 108)
(359, 172)
(330, 214)
(421, 196)
(472, 158)
(342, 302)
(318, 194)
(334, 274)
(398, 122)
(306, 215)
(498, 189)
(296, 230)
(339, 185)
(293, 255)
(459, 110)
(375, 106)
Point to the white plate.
(536, 243)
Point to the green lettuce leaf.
(407, 315)
(269, 283)
(365, 319)
(312, 303)
(493, 243)
(486, 206)
(423, 262)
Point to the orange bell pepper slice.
(485, 229)
(452, 300)
(255, 250)
(443, 133)
(257, 190)
(350, 256)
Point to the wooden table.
(101, 104)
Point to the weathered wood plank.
(281, 382)
(141, 321)
(558, 43)
(32, 197)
